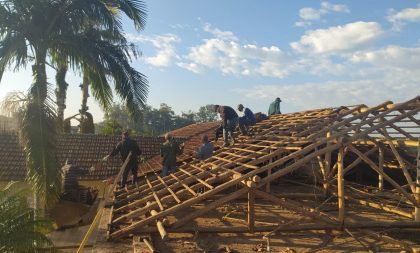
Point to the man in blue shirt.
(248, 119)
(206, 149)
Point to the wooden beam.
(292, 227)
(251, 209)
(340, 185)
(417, 195)
(181, 222)
(386, 177)
(381, 168)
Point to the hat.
(278, 99)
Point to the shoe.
(225, 144)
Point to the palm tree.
(49, 28)
(95, 33)
(20, 230)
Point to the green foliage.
(206, 114)
(111, 127)
(20, 228)
(151, 121)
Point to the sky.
(311, 54)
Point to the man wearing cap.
(229, 122)
(248, 119)
(125, 147)
(274, 107)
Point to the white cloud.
(309, 14)
(338, 38)
(406, 15)
(164, 44)
(306, 14)
(224, 35)
(336, 93)
(397, 57)
(228, 55)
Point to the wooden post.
(327, 166)
(159, 224)
(381, 168)
(417, 209)
(251, 210)
(340, 184)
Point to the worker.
(72, 191)
(169, 150)
(206, 149)
(247, 120)
(125, 147)
(274, 107)
(229, 122)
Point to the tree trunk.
(86, 119)
(85, 95)
(61, 92)
(38, 134)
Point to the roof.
(280, 145)
(84, 149)
(191, 136)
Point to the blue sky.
(312, 54)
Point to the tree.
(52, 29)
(115, 52)
(20, 230)
(206, 114)
(111, 127)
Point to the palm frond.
(134, 9)
(14, 102)
(20, 228)
(13, 49)
(38, 134)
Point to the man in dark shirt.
(274, 107)
(229, 122)
(71, 174)
(169, 150)
(248, 119)
(124, 147)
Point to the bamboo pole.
(251, 209)
(159, 224)
(417, 195)
(340, 185)
(386, 177)
(292, 227)
(381, 168)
